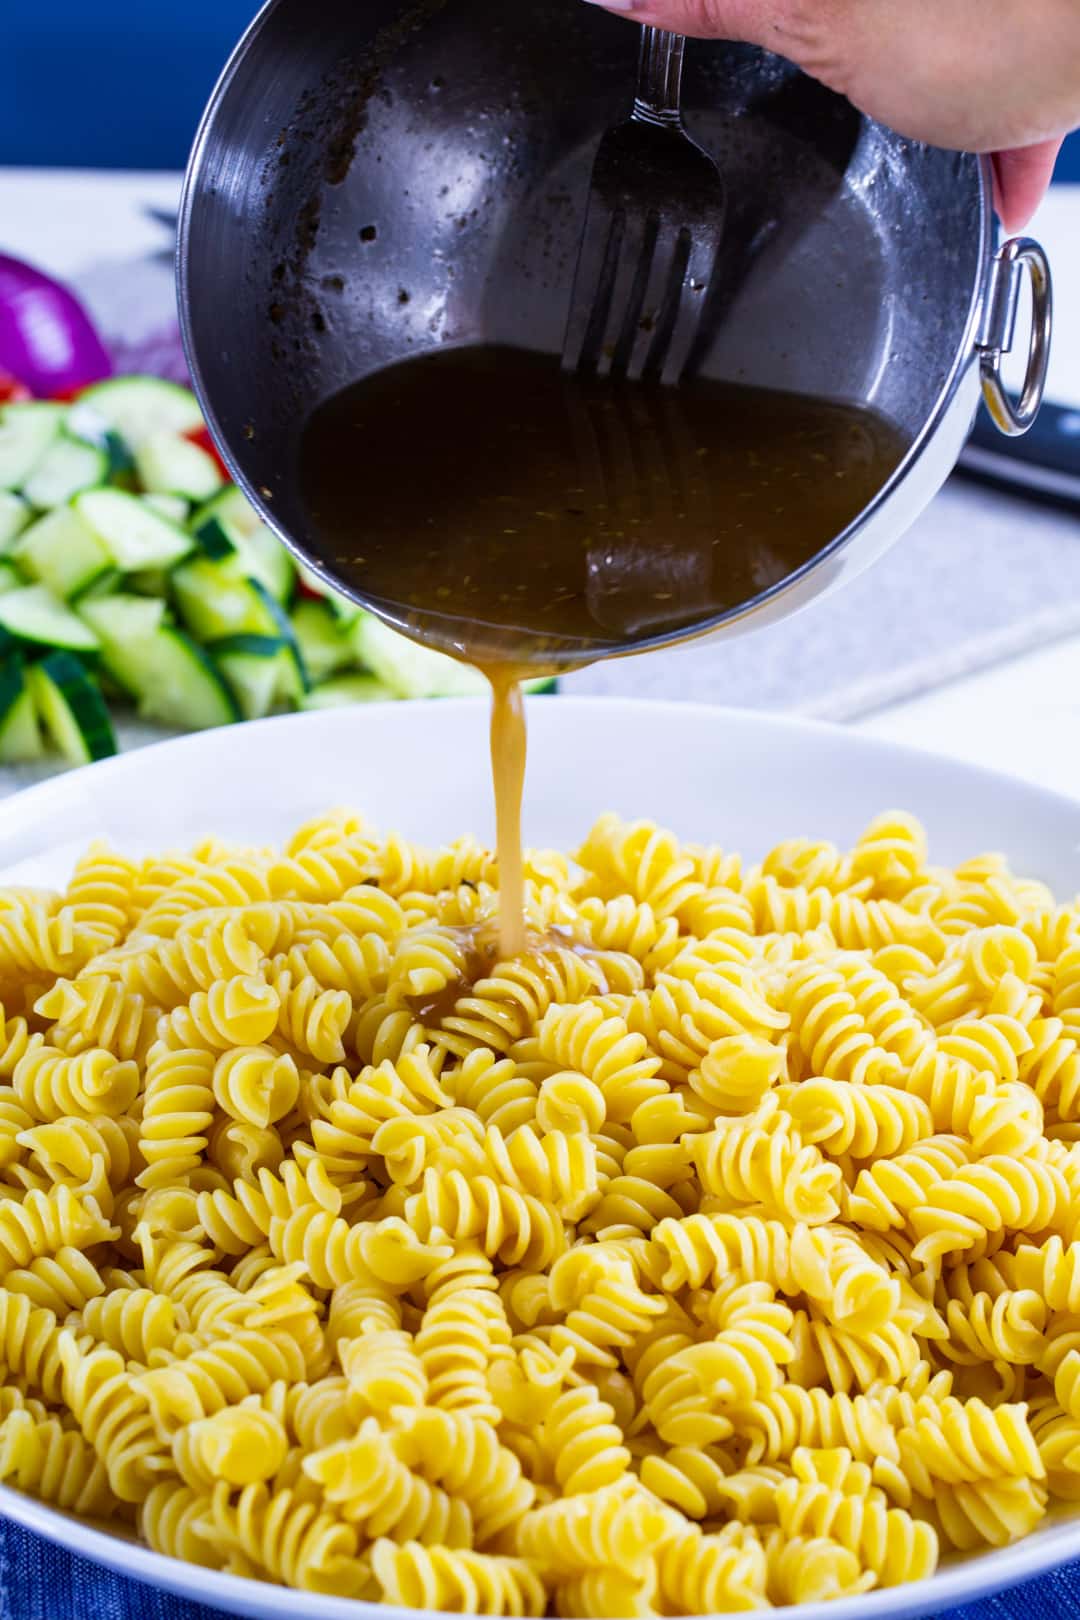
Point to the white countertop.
(1020, 714)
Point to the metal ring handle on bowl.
(999, 329)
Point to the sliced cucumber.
(294, 679)
(26, 432)
(255, 676)
(228, 523)
(343, 607)
(169, 677)
(20, 733)
(230, 513)
(173, 507)
(323, 640)
(71, 709)
(124, 618)
(149, 582)
(168, 464)
(412, 671)
(178, 684)
(32, 613)
(15, 514)
(68, 466)
(110, 580)
(62, 552)
(125, 625)
(216, 599)
(10, 578)
(138, 407)
(132, 533)
(83, 422)
(269, 562)
(265, 672)
(346, 689)
(218, 602)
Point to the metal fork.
(652, 234)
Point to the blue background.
(120, 83)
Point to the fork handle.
(658, 98)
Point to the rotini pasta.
(722, 1251)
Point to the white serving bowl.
(742, 780)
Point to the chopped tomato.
(12, 389)
(201, 437)
(64, 396)
(304, 589)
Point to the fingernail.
(614, 5)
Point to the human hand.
(997, 76)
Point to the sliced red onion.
(46, 337)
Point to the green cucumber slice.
(218, 603)
(32, 613)
(149, 582)
(216, 599)
(124, 618)
(346, 689)
(178, 684)
(134, 535)
(342, 606)
(62, 552)
(248, 646)
(412, 671)
(323, 641)
(124, 625)
(68, 466)
(270, 563)
(26, 432)
(71, 709)
(172, 507)
(168, 464)
(108, 581)
(169, 677)
(20, 733)
(15, 514)
(138, 407)
(296, 681)
(254, 678)
(229, 523)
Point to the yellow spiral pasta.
(95, 1010)
(55, 1464)
(418, 1577)
(283, 1536)
(720, 1252)
(49, 1083)
(236, 1012)
(256, 1084)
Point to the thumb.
(1020, 181)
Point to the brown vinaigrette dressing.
(508, 744)
(525, 521)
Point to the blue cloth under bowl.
(39, 1581)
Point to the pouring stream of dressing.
(527, 522)
(508, 746)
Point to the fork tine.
(594, 279)
(694, 283)
(649, 331)
(636, 254)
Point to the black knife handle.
(1045, 462)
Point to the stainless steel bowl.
(373, 180)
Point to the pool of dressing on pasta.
(527, 522)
